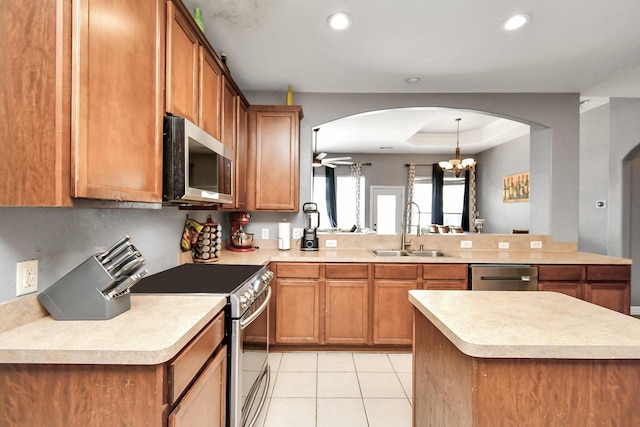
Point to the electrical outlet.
(265, 233)
(466, 244)
(297, 233)
(332, 243)
(503, 245)
(26, 277)
(535, 244)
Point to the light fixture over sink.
(457, 165)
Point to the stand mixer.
(240, 241)
(312, 221)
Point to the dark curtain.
(332, 211)
(437, 182)
(465, 203)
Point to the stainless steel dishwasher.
(503, 277)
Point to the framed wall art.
(515, 188)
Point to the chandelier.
(456, 165)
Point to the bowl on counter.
(241, 239)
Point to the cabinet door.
(36, 92)
(204, 405)
(392, 312)
(615, 296)
(182, 53)
(274, 158)
(116, 100)
(210, 93)
(297, 311)
(573, 289)
(228, 136)
(347, 311)
(240, 189)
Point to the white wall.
(554, 142)
(493, 165)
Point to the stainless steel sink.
(395, 252)
(388, 252)
(428, 253)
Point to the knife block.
(79, 294)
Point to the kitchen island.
(522, 358)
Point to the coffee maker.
(312, 221)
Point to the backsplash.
(62, 238)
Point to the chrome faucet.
(406, 243)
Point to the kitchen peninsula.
(522, 358)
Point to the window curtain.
(410, 190)
(356, 174)
(437, 182)
(330, 194)
(465, 203)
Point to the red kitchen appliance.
(240, 241)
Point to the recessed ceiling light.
(516, 21)
(412, 79)
(339, 21)
(386, 148)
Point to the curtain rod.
(422, 164)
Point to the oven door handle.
(245, 322)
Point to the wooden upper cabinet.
(240, 166)
(228, 135)
(274, 158)
(182, 73)
(194, 76)
(117, 107)
(210, 93)
(36, 91)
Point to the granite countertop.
(546, 325)
(153, 331)
(263, 256)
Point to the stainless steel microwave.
(196, 166)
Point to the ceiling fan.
(321, 159)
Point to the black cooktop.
(197, 279)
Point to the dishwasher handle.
(516, 278)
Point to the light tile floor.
(330, 389)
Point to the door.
(386, 209)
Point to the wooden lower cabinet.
(204, 405)
(605, 285)
(392, 311)
(189, 390)
(297, 303)
(445, 276)
(346, 304)
(392, 315)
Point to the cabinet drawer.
(396, 271)
(299, 270)
(184, 368)
(444, 271)
(346, 271)
(560, 272)
(616, 273)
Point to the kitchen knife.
(126, 284)
(117, 251)
(114, 246)
(128, 266)
(117, 261)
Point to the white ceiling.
(591, 47)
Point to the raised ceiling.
(570, 46)
(579, 46)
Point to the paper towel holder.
(284, 236)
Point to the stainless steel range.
(248, 294)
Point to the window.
(453, 199)
(345, 200)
